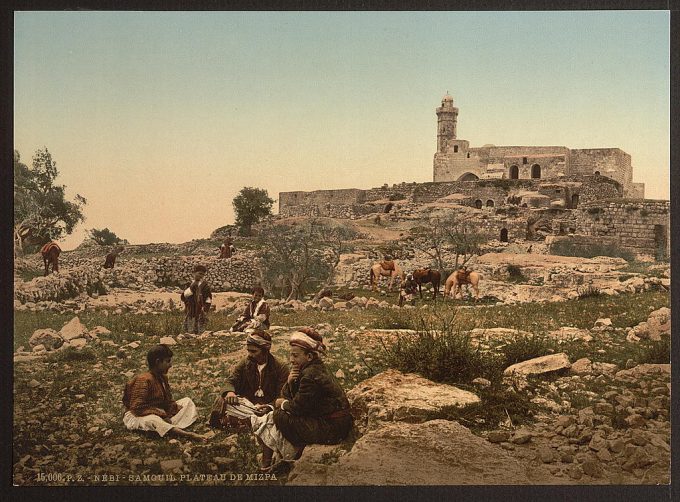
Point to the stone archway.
(478, 204)
(504, 235)
(574, 201)
(490, 203)
(388, 207)
(536, 171)
(468, 177)
(514, 172)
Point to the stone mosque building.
(586, 195)
(456, 161)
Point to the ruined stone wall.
(641, 226)
(85, 275)
(610, 162)
(343, 196)
(328, 210)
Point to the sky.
(159, 118)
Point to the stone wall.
(640, 226)
(610, 162)
(85, 275)
(376, 200)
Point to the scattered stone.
(498, 436)
(167, 340)
(169, 465)
(33, 384)
(521, 436)
(47, 337)
(540, 365)
(73, 329)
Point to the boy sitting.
(149, 404)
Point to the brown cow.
(50, 253)
(111, 257)
(427, 275)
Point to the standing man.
(197, 300)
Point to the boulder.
(539, 365)
(78, 343)
(659, 323)
(583, 366)
(47, 337)
(326, 303)
(395, 396)
(634, 374)
(438, 452)
(73, 329)
(167, 340)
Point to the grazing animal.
(427, 275)
(387, 269)
(50, 253)
(111, 257)
(457, 279)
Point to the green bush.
(523, 348)
(440, 351)
(588, 291)
(515, 274)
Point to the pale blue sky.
(146, 112)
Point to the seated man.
(149, 404)
(313, 410)
(259, 378)
(408, 290)
(255, 315)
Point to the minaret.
(447, 117)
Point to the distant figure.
(408, 290)
(255, 315)
(529, 248)
(227, 248)
(111, 257)
(148, 401)
(50, 253)
(197, 300)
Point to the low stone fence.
(86, 275)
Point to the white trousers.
(186, 416)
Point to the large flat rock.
(438, 452)
(539, 365)
(393, 395)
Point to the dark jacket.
(244, 380)
(193, 307)
(317, 410)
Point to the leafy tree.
(296, 257)
(41, 211)
(251, 206)
(450, 235)
(104, 237)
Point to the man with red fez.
(259, 377)
(314, 408)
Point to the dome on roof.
(447, 98)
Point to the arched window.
(455, 148)
(514, 172)
(504, 235)
(468, 155)
(574, 201)
(597, 173)
(535, 171)
(478, 204)
(489, 203)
